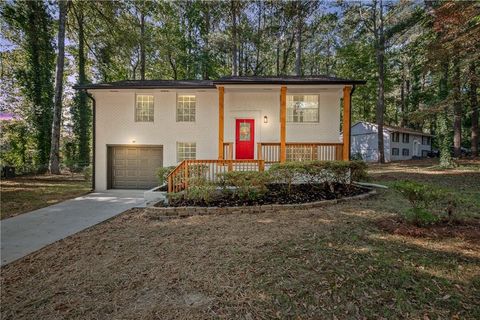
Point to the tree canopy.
(420, 58)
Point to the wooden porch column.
(346, 122)
(221, 102)
(283, 124)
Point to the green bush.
(313, 172)
(200, 192)
(422, 198)
(162, 174)
(247, 185)
(286, 173)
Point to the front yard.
(23, 194)
(336, 262)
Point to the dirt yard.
(23, 194)
(335, 262)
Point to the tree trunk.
(457, 112)
(234, 38)
(474, 106)
(402, 101)
(443, 135)
(298, 40)
(206, 47)
(83, 118)
(277, 58)
(57, 108)
(380, 53)
(142, 46)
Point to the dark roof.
(150, 84)
(210, 84)
(318, 79)
(397, 129)
(406, 130)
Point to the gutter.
(94, 138)
(350, 115)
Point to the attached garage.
(133, 167)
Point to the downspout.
(350, 121)
(94, 138)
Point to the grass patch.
(27, 193)
(331, 262)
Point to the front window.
(395, 152)
(186, 108)
(186, 151)
(302, 108)
(405, 152)
(406, 138)
(144, 108)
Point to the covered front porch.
(257, 127)
(255, 123)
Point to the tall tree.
(234, 8)
(457, 110)
(298, 38)
(54, 165)
(81, 113)
(474, 108)
(380, 56)
(33, 26)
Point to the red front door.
(244, 138)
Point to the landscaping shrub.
(200, 192)
(162, 174)
(421, 198)
(247, 185)
(287, 173)
(315, 172)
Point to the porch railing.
(299, 151)
(228, 150)
(181, 176)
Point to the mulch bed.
(468, 230)
(277, 194)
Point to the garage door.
(135, 167)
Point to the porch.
(251, 119)
(264, 123)
(270, 152)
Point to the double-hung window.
(186, 105)
(395, 136)
(405, 152)
(186, 151)
(395, 152)
(406, 138)
(144, 108)
(302, 108)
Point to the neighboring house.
(142, 125)
(399, 143)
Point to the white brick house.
(142, 125)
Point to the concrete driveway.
(34, 230)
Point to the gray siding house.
(400, 143)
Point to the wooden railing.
(180, 177)
(228, 150)
(299, 151)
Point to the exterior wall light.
(265, 119)
(133, 141)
